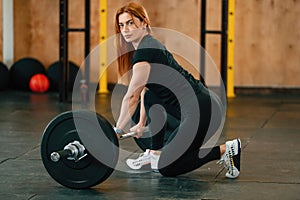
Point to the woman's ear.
(144, 25)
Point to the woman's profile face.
(131, 27)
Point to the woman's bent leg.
(190, 161)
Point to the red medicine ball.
(39, 83)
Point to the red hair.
(125, 50)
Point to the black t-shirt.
(167, 79)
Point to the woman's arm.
(141, 71)
(139, 128)
(143, 117)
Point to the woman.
(162, 85)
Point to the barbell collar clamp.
(72, 151)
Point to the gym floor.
(269, 127)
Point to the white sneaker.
(231, 158)
(143, 159)
(154, 161)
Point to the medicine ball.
(54, 75)
(22, 70)
(39, 83)
(4, 76)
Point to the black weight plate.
(100, 140)
(85, 173)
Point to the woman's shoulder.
(150, 50)
(150, 42)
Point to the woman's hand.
(139, 130)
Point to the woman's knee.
(167, 172)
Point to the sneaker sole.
(132, 166)
(237, 158)
(236, 162)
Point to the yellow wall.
(37, 29)
(268, 43)
(267, 37)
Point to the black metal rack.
(224, 38)
(63, 46)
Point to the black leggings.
(174, 159)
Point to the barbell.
(79, 149)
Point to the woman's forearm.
(137, 84)
(143, 117)
(128, 107)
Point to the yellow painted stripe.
(103, 48)
(230, 50)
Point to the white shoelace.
(228, 161)
(138, 161)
